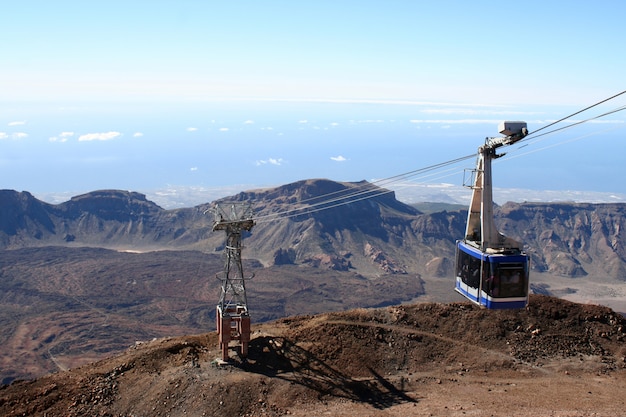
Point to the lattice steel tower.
(232, 316)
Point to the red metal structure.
(232, 316)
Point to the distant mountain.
(106, 218)
(342, 225)
(23, 218)
(570, 239)
(66, 298)
(339, 225)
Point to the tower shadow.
(278, 357)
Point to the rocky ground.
(555, 358)
(64, 307)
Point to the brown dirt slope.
(555, 358)
(64, 307)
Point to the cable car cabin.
(491, 268)
(493, 280)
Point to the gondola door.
(469, 272)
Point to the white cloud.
(271, 161)
(474, 111)
(248, 122)
(137, 134)
(370, 101)
(17, 123)
(303, 121)
(14, 136)
(452, 121)
(370, 121)
(193, 169)
(62, 137)
(338, 158)
(192, 129)
(99, 136)
(224, 129)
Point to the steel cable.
(374, 189)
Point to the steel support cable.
(380, 191)
(578, 112)
(558, 143)
(338, 202)
(579, 122)
(367, 191)
(358, 194)
(362, 195)
(381, 182)
(396, 178)
(359, 191)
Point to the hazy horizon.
(175, 197)
(202, 95)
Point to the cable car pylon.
(491, 269)
(232, 315)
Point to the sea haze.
(189, 196)
(194, 151)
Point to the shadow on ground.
(278, 357)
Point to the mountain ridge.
(114, 262)
(319, 217)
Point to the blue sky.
(204, 95)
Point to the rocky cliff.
(345, 226)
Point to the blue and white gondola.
(491, 269)
(492, 280)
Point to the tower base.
(233, 324)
